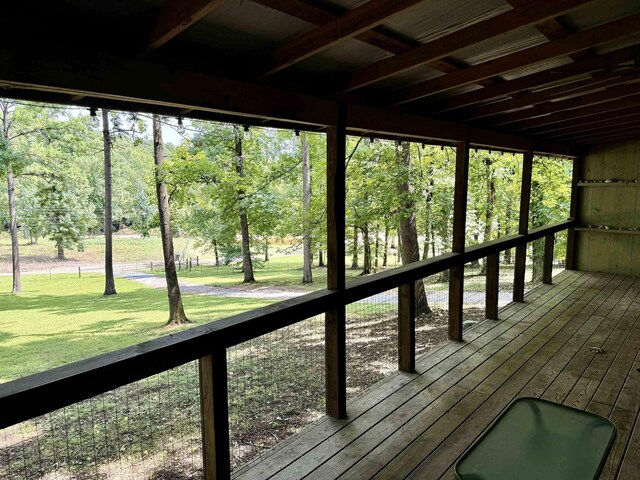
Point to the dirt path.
(197, 289)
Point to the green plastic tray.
(535, 439)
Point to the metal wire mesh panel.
(475, 280)
(432, 323)
(372, 340)
(149, 429)
(559, 253)
(535, 260)
(276, 386)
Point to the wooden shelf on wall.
(608, 230)
(608, 184)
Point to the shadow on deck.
(417, 425)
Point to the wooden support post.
(456, 277)
(547, 265)
(573, 214)
(523, 227)
(214, 409)
(335, 319)
(493, 277)
(407, 328)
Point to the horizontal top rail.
(68, 384)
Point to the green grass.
(66, 319)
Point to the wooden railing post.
(456, 277)
(407, 327)
(573, 215)
(335, 319)
(493, 277)
(523, 227)
(547, 265)
(214, 409)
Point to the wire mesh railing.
(372, 339)
(432, 321)
(276, 386)
(474, 297)
(147, 429)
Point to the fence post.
(214, 408)
(151, 267)
(197, 260)
(523, 227)
(492, 286)
(190, 264)
(180, 264)
(547, 265)
(407, 328)
(79, 273)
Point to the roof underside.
(566, 71)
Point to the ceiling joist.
(528, 13)
(354, 22)
(175, 17)
(572, 43)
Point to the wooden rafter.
(555, 74)
(577, 105)
(572, 123)
(592, 127)
(590, 111)
(319, 14)
(352, 23)
(632, 126)
(175, 17)
(572, 43)
(528, 99)
(613, 138)
(530, 12)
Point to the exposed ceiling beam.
(572, 43)
(609, 124)
(356, 21)
(72, 71)
(603, 132)
(175, 17)
(614, 138)
(571, 123)
(578, 105)
(580, 112)
(528, 99)
(555, 74)
(530, 12)
(380, 37)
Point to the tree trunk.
(215, 252)
(489, 210)
(407, 230)
(307, 253)
(13, 228)
(354, 251)
(60, 248)
(366, 241)
(266, 249)
(386, 246)
(109, 282)
(377, 249)
(247, 262)
(320, 258)
(176, 310)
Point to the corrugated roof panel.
(501, 45)
(601, 11)
(241, 26)
(432, 19)
(537, 67)
(400, 80)
(618, 44)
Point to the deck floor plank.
(417, 425)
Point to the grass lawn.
(66, 319)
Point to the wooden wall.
(612, 201)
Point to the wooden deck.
(416, 426)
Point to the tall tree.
(307, 252)
(176, 310)
(5, 110)
(247, 262)
(109, 281)
(407, 230)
